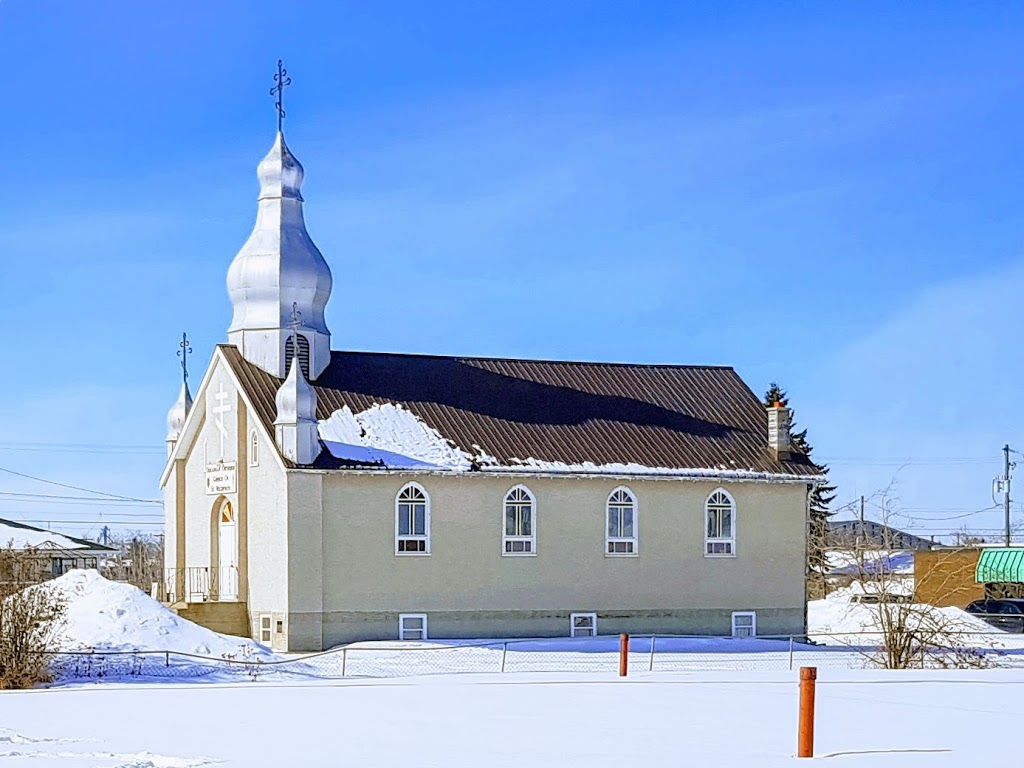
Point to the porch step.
(226, 618)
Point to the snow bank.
(111, 616)
(837, 621)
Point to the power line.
(50, 521)
(43, 498)
(118, 446)
(133, 516)
(79, 488)
(73, 448)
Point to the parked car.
(1007, 615)
(876, 598)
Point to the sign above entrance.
(220, 478)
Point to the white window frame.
(426, 523)
(530, 540)
(402, 617)
(572, 624)
(753, 622)
(728, 542)
(269, 618)
(611, 542)
(254, 449)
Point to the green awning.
(1005, 564)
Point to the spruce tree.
(821, 496)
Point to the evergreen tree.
(822, 495)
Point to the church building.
(316, 497)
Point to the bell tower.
(279, 273)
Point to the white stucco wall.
(268, 553)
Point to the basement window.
(744, 624)
(412, 626)
(266, 628)
(583, 625)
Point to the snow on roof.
(16, 535)
(456, 414)
(873, 561)
(109, 615)
(391, 436)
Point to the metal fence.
(659, 653)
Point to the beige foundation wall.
(306, 544)
(466, 570)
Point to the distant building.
(29, 555)
(846, 534)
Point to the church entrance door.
(227, 573)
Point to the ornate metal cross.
(295, 324)
(281, 81)
(183, 353)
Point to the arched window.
(227, 513)
(412, 521)
(719, 525)
(254, 449)
(520, 526)
(289, 353)
(621, 530)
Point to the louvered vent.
(289, 353)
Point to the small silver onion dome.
(295, 399)
(178, 413)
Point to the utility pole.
(861, 536)
(1006, 490)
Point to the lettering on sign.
(220, 478)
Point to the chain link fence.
(659, 653)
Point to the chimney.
(778, 430)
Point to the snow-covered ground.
(141, 640)
(723, 719)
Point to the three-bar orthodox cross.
(281, 81)
(183, 353)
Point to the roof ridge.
(485, 358)
(76, 539)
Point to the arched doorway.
(227, 560)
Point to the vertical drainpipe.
(807, 538)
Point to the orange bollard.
(805, 736)
(623, 654)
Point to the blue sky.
(825, 196)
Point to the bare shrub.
(29, 620)
(907, 633)
(30, 616)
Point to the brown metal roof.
(678, 417)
